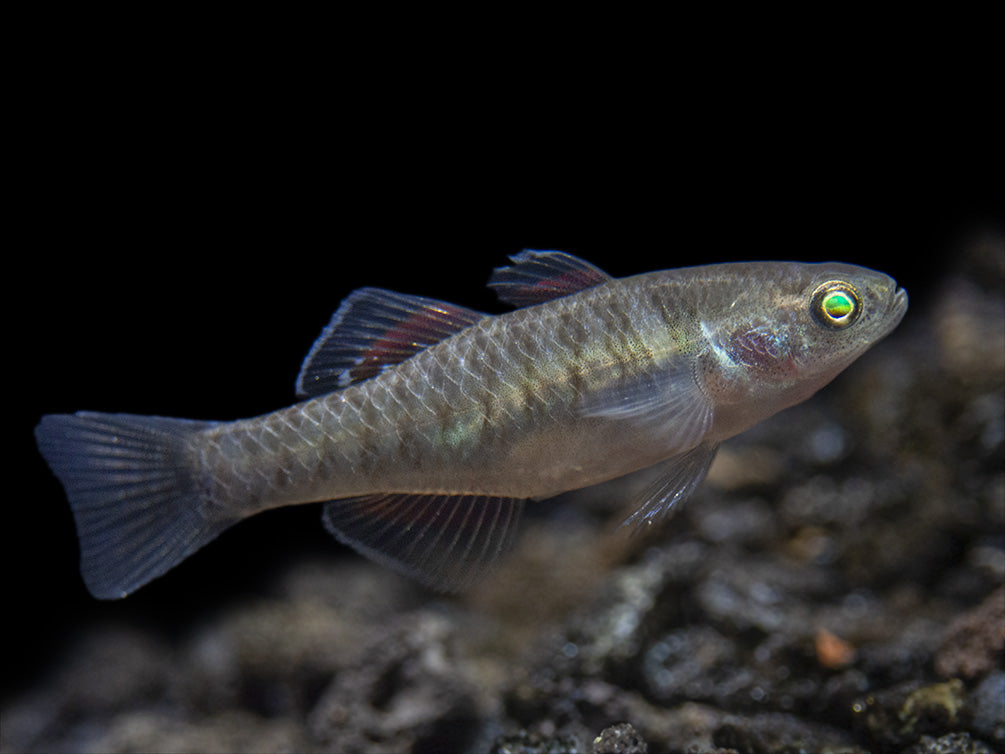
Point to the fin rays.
(678, 478)
(539, 276)
(373, 330)
(134, 494)
(445, 541)
(669, 403)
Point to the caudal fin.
(135, 493)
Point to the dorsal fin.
(539, 276)
(375, 329)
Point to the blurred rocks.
(974, 642)
(838, 585)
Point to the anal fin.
(447, 542)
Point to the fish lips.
(896, 308)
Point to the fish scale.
(402, 419)
(426, 425)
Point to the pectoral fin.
(667, 403)
(446, 542)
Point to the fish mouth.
(896, 308)
(899, 301)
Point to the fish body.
(426, 425)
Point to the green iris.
(835, 304)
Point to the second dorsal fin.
(539, 276)
(375, 329)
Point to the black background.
(178, 250)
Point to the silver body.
(622, 375)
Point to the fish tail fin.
(133, 483)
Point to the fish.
(424, 427)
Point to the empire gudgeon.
(425, 426)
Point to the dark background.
(179, 253)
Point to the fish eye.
(835, 305)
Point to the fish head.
(785, 330)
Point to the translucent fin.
(679, 477)
(539, 276)
(667, 403)
(446, 542)
(375, 329)
(134, 492)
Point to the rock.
(952, 743)
(901, 714)
(532, 743)
(974, 643)
(837, 586)
(988, 703)
(619, 739)
(409, 691)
